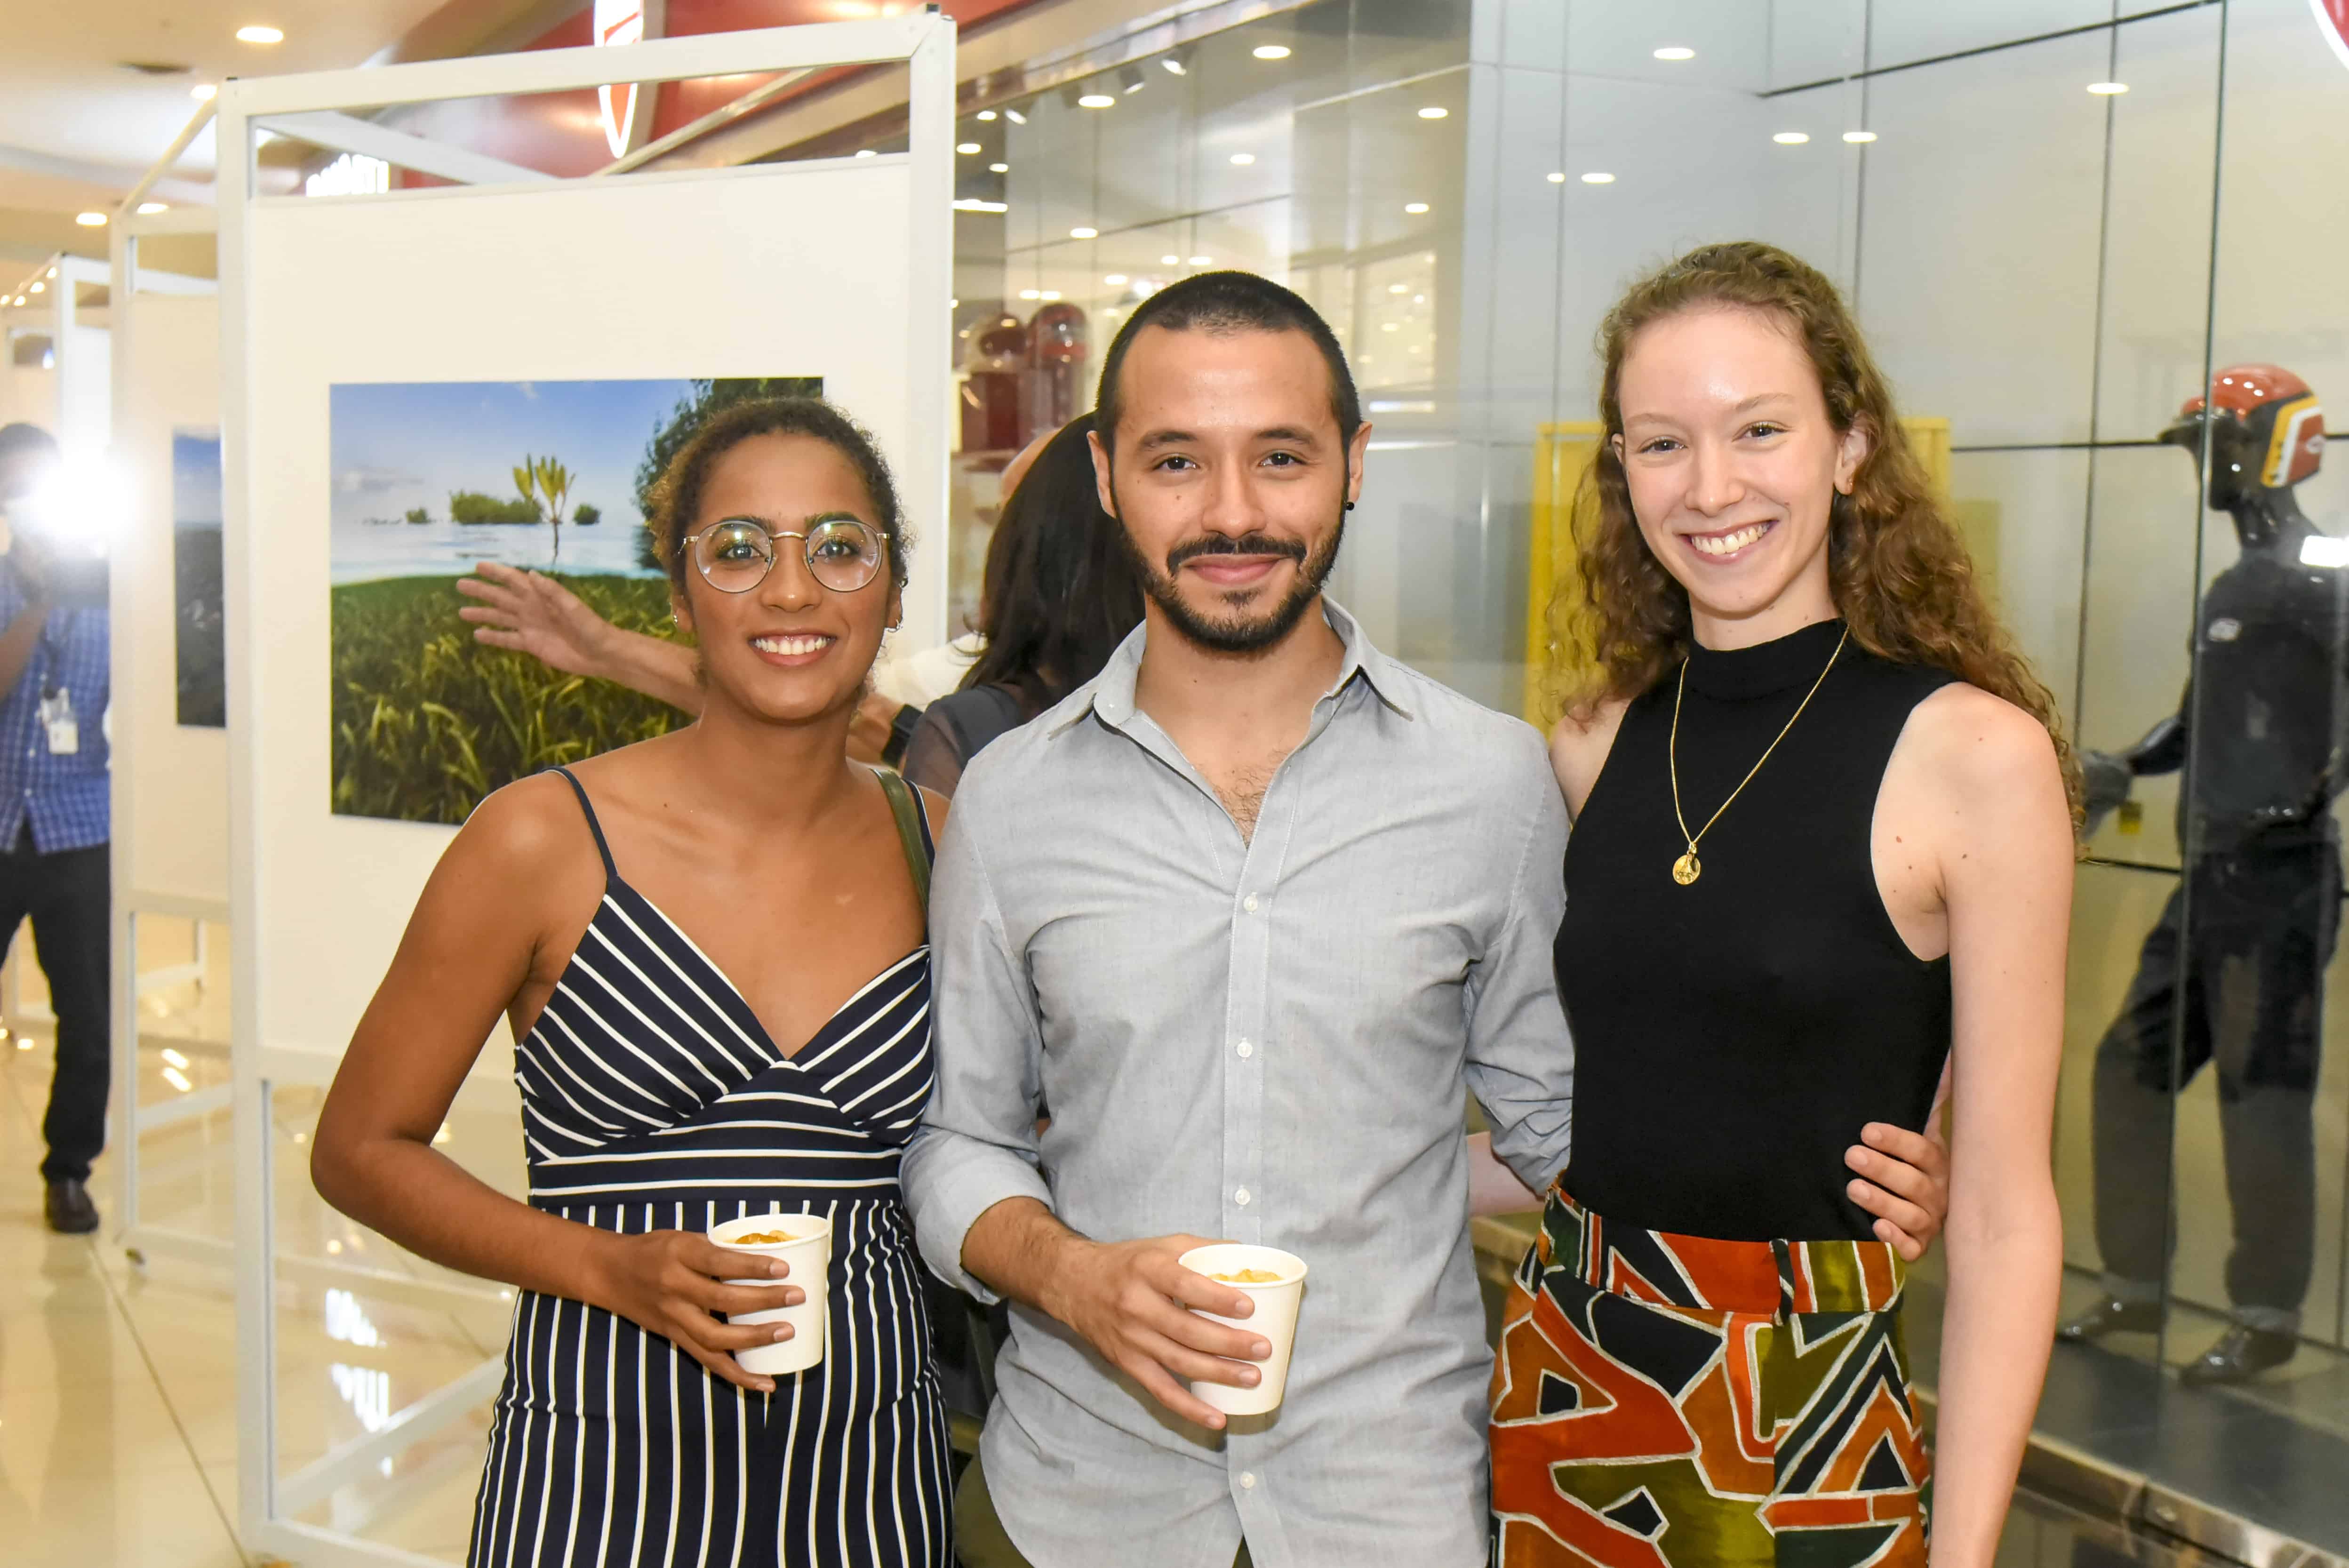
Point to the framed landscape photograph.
(431, 478)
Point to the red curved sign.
(2333, 20)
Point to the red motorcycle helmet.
(2267, 415)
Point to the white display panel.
(172, 821)
(795, 269)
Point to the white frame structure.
(127, 1121)
(326, 110)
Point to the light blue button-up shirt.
(1261, 1039)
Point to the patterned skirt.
(1664, 1401)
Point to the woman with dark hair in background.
(1059, 593)
(710, 948)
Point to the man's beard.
(1236, 632)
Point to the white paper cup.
(809, 1256)
(1275, 1319)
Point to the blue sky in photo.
(402, 445)
(195, 479)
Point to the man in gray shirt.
(1247, 911)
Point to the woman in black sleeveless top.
(1822, 848)
(710, 949)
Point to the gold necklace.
(1688, 868)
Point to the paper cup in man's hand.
(1275, 1282)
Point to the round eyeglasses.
(736, 554)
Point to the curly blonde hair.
(1898, 571)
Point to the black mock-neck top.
(1732, 1036)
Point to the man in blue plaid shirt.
(54, 819)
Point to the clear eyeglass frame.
(842, 574)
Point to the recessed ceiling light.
(2107, 88)
(1015, 117)
(1791, 137)
(1414, 208)
(1675, 52)
(987, 116)
(1082, 233)
(1113, 278)
(1030, 294)
(148, 209)
(1434, 111)
(967, 147)
(1095, 100)
(1398, 288)
(998, 169)
(1175, 67)
(1052, 293)
(260, 34)
(203, 92)
(1203, 260)
(1859, 136)
(867, 152)
(1243, 158)
(90, 220)
(1598, 177)
(1270, 51)
(1557, 176)
(973, 205)
(37, 288)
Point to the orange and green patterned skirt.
(1664, 1401)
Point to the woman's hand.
(669, 1281)
(533, 614)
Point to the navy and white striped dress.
(653, 1099)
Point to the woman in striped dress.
(710, 949)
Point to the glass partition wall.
(2056, 218)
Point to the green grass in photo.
(426, 721)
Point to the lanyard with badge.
(56, 712)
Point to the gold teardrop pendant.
(1686, 869)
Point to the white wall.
(784, 269)
(171, 793)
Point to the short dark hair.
(1220, 302)
(1061, 589)
(676, 495)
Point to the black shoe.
(71, 1212)
(2241, 1354)
(2111, 1315)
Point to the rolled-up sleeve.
(976, 1144)
(1520, 1059)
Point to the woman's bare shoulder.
(1579, 748)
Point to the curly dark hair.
(676, 495)
(1897, 568)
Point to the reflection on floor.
(2274, 1453)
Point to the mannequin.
(2242, 946)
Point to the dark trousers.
(2248, 979)
(68, 897)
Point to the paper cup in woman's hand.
(805, 1248)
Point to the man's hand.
(1906, 1186)
(533, 614)
(1132, 1299)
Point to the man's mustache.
(1226, 544)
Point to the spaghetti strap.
(912, 817)
(610, 872)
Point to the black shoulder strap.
(913, 830)
(610, 872)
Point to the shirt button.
(1241, 1198)
(1247, 1480)
(1248, 903)
(1245, 1050)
